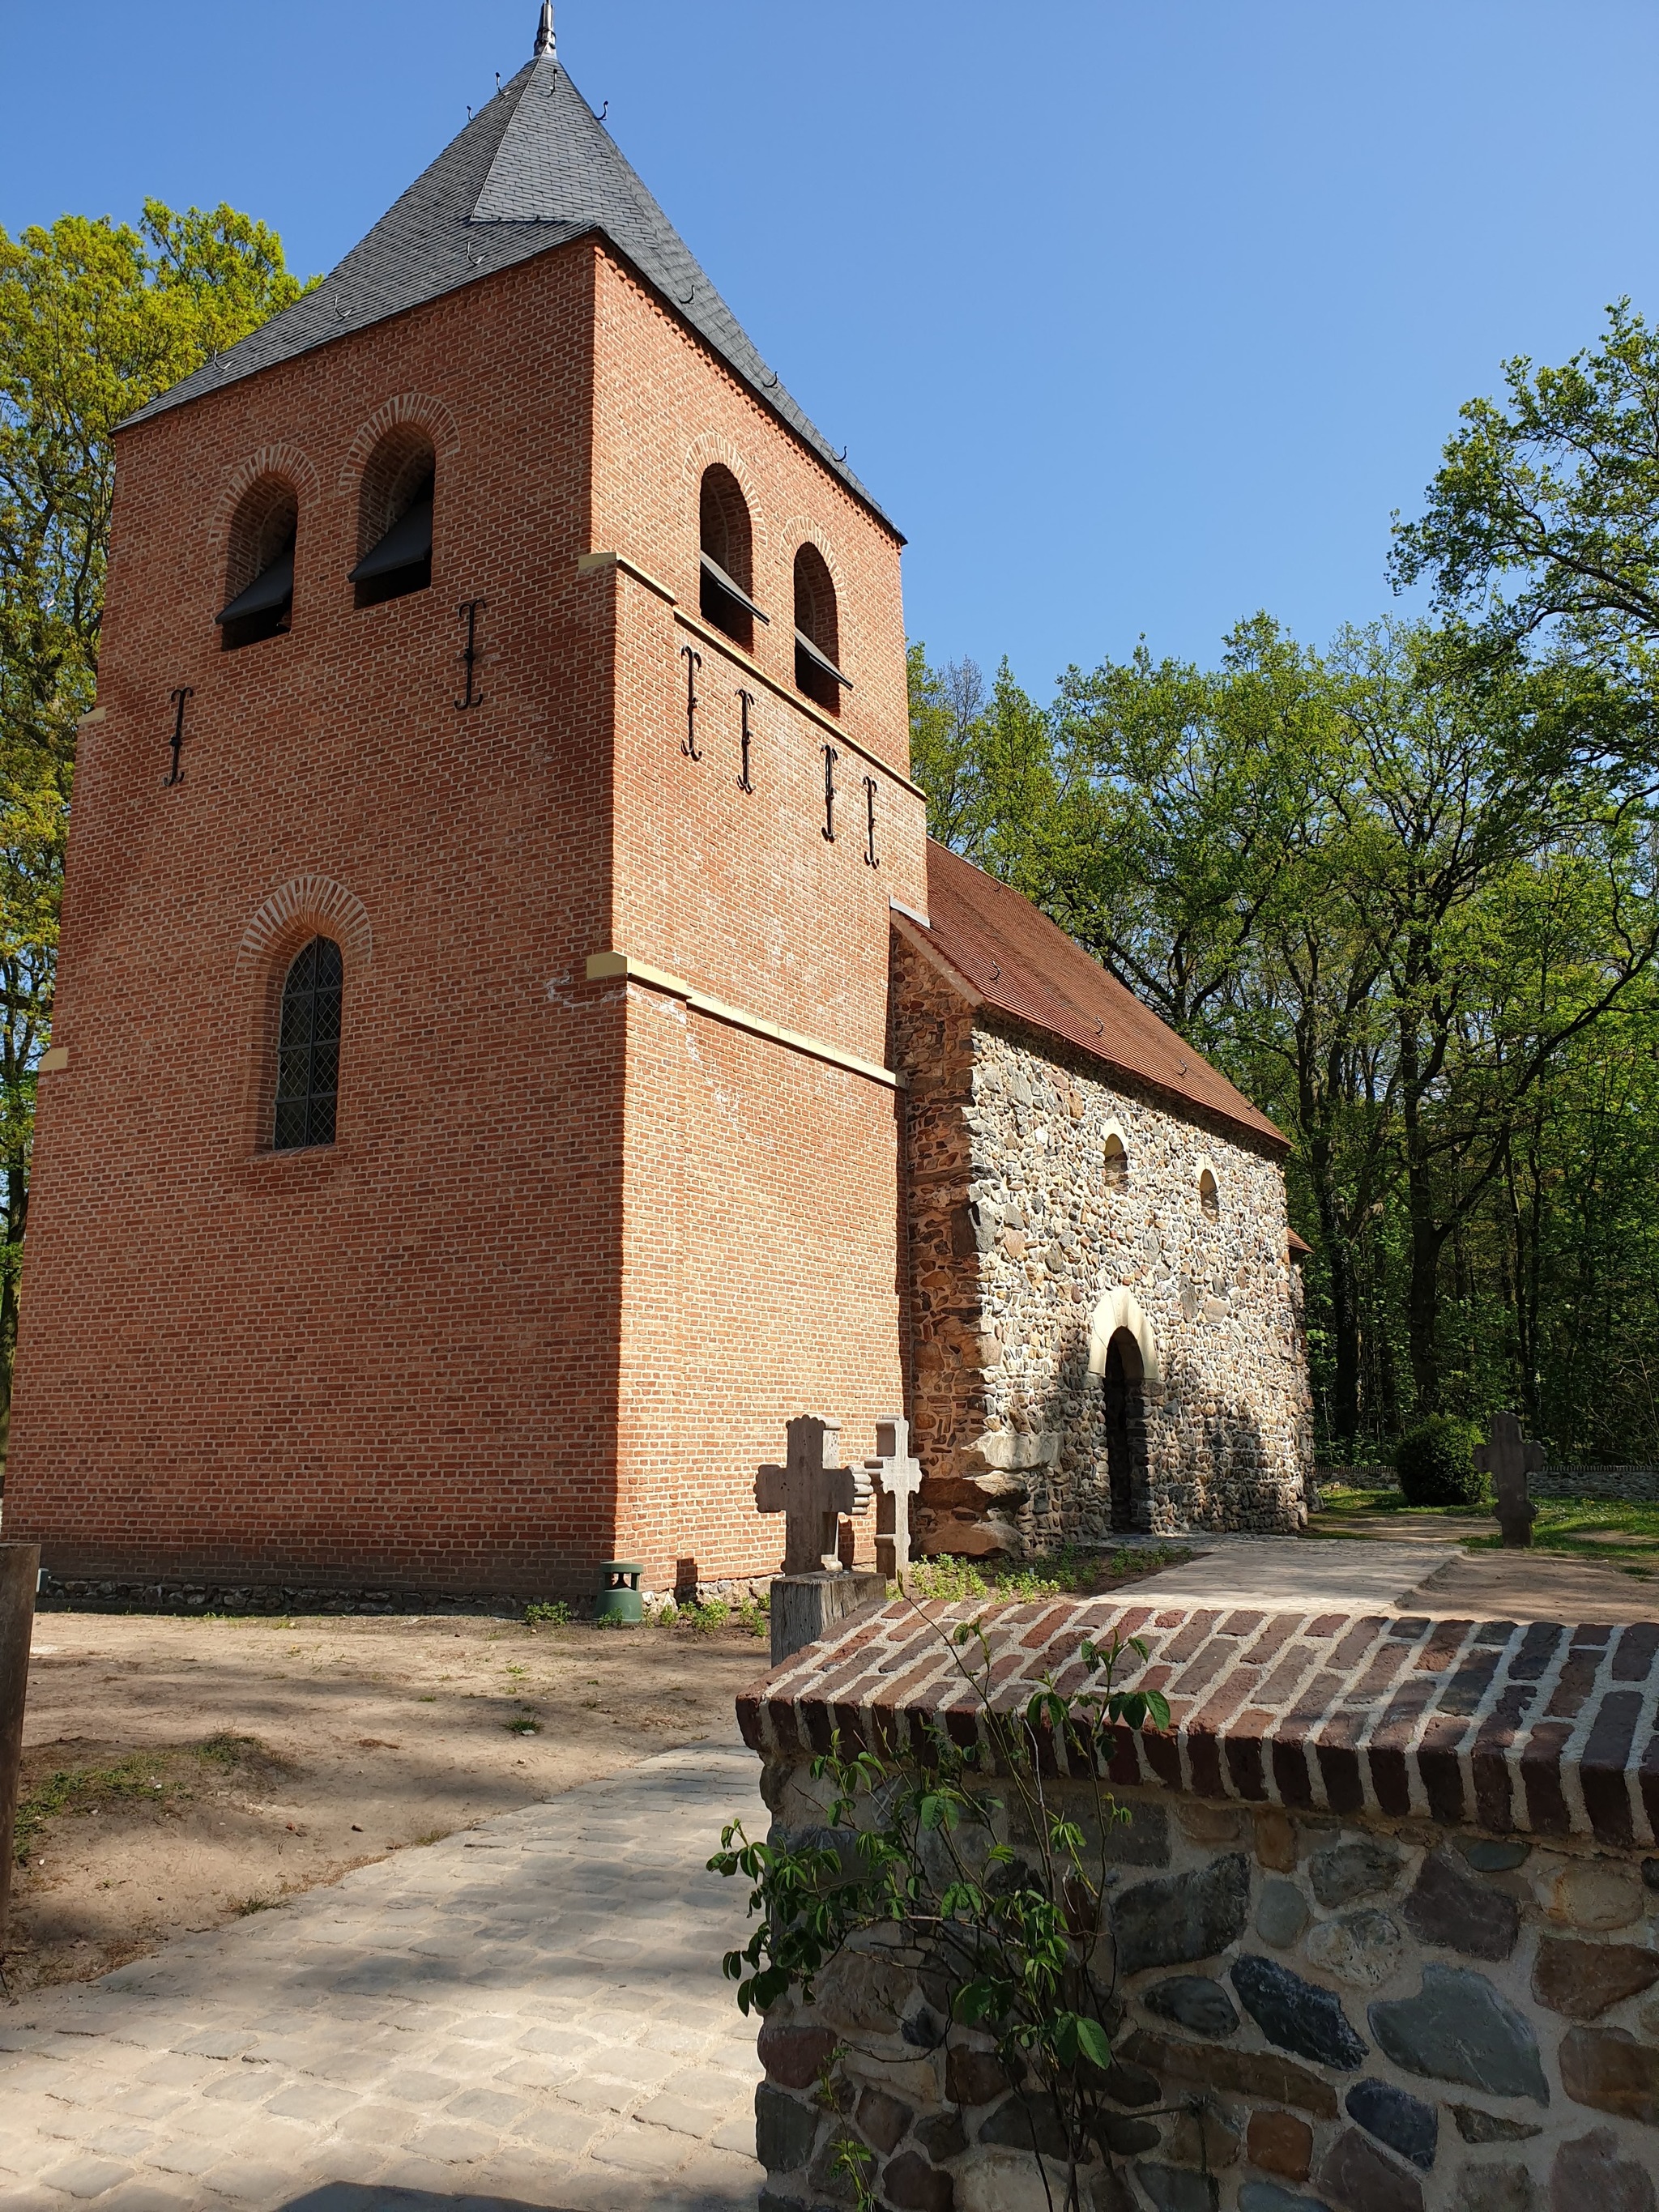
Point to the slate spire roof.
(534, 169)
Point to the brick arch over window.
(288, 463)
(1118, 1310)
(413, 410)
(306, 907)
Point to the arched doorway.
(1123, 1383)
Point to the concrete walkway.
(1426, 1573)
(530, 2013)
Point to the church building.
(516, 1045)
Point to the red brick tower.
(515, 625)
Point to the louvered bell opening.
(265, 609)
(723, 602)
(401, 562)
(817, 675)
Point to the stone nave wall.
(1027, 1250)
(1386, 1920)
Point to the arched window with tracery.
(259, 565)
(725, 543)
(817, 632)
(308, 1049)
(395, 507)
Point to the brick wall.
(580, 1250)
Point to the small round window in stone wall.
(1115, 1168)
(1208, 1198)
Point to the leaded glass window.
(308, 1051)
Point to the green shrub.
(554, 1614)
(1435, 1463)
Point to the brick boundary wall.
(1387, 1906)
(1627, 1485)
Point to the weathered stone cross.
(1509, 1458)
(811, 1491)
(898, 1477)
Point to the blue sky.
(1135, 317)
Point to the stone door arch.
(1123, 1360)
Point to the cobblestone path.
(529, 2013)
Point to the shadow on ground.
(355, 2196)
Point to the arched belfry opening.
(259, 565)
(1124, 1385)
(394, 517)
(726, 548)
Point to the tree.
(96, 319)
(1543, 520)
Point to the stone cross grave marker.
(1509, 1458)
(812, 1490)
(898, 1477)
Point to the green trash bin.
(619, 1591)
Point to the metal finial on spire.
(544, 36)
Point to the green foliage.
(958, 1581)
(96, 319)
(1435, 1465)
(1543, 516)
(1403, 893)
(550, 1613)
(1008, 1896)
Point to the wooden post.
(20, 1570)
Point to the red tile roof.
(1017, 960)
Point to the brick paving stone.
(529, 2014)
(190, 2155)
(643, 2150)
(561, 2128)
(86, 2177)
(454, 2143)
(312, 2100)
(249, 2085)
(594, 2093)
(682, 2115)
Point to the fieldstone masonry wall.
(1387, 1920)
(1029, 1249)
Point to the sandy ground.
(209, 1768)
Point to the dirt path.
(177, 1773)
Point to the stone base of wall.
(90, 1594)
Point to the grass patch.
(148, 1778)
(1592, 1529)
(708, 1617)
(88, 1789)
(523, 1726)
(1627, 1536)
(552, 1613)
(228, 1751)
(1065, 1573)
(1339, 1503)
